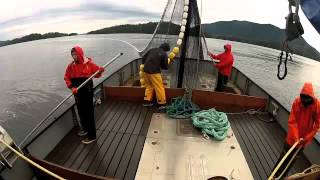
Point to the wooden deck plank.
(140, 121)
(136, 108)
(146, 123)
(70, 143)
(108, 155)
(264, 168)
(116, 159)
(77, 152)
(271, 155)
(277, 137)
(88, 150)
(62, 152)
(264, 157)
(114, 114)
(115, 125)
(95, 163)
(134, 120)
(263, 128)
(248, 145)
(247, 152)
(99, 110)
(124, 163)
(93, 153)
(80, 151)
(257, 143)
(135, 158)
(109, 107)
(122, 131)
(119, 113)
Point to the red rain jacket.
(304, 121)
(226, 60)
(83, 69)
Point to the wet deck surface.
(261, 143)
(122, 129)
(121, 133)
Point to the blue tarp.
(311, 9)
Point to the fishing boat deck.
(121, 132)
(261, 142)
(122, 129)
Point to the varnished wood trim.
(227, 102)
(136, 94)
(64, 172)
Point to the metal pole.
(65, 99)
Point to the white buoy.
(185, 15)
(186, 8)
(183, 29)
(179, 42)
(181, 35)
(184, 22)
(186, 2)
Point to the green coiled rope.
(181, 108)
(212, 122)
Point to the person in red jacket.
(224, 66)
(303, 124)
(76, 73)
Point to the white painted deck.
(170, 153)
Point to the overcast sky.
(22, 17)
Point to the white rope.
(271, 177)
(32, 162)
(254, 112)
(289, 163)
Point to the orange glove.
(74, 91)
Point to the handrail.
(64, 100)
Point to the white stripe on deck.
(167, 156)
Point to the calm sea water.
(31, 74)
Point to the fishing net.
(180, 26)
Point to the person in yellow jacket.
(155, 60)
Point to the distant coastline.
(242, 31)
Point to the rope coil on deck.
(212, 122)
(181, 108)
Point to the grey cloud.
(97, 10)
